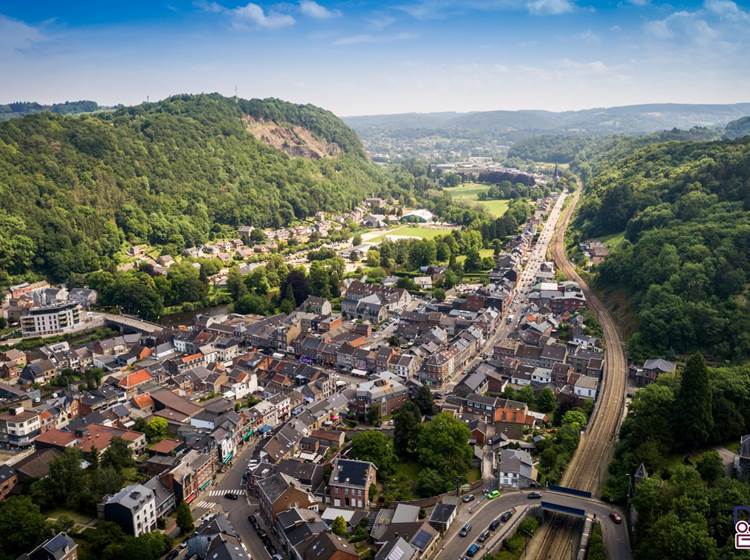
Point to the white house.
(586, 387)
(515, 469)
(134, 508)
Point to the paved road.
(587, 468)
(237, 510)
(484, 511)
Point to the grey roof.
(662, 365)
(226, 547)
(397, 549)
(442, 513)
(513, 460)
(350, 472)
(326, 545)
(274, 486)
(131, 497)
(6, 472)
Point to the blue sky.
(369, 57)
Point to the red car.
(615, 517)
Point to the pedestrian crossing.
(205, 504)
(221, 492)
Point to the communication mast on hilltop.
(235, 94)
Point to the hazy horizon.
(373, 58)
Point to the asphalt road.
(483, 511)
(236, 510)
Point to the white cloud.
(588, 37)
(254, 14)
(725, 9)
(211, 7)
(381, 21)
(659, 29)
(314, 10)
(690, 26)
(549, 7)
(16, 35)
(440, 9)
(369, 38)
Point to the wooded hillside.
(684, 208)
(75, 189)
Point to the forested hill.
(684, 208)
(76, 189)
(738, 128)
(21, 108)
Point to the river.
(186, 317)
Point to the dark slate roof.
(350, 472)
(326, 545)
(442, 513)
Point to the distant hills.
(738, 128)
(632, 119)
(22, 108)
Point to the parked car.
(465, 530)
(493, 494)
(615, 517)
(468, 498)
(483, 536)
(472, 550)
(172, 555)
(507, 515)
(534, 496)
(231, 496)
(495, 524)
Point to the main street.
(518, 296)
(483, 513)
(587, 468)
(213, 501)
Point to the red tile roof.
(143, 401)
(134, 379)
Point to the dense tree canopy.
(174, 173)
(684, 209)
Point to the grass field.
(407, 231)
(482, 253)
(469, 193)
(613, 241)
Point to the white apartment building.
(51, 319)
(134, 508)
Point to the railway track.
(586, 469)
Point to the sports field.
(406, 231)
(469, 193)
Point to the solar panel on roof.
(421, 540)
